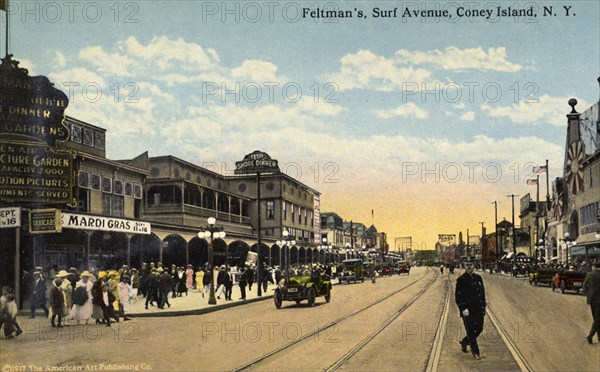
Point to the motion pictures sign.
(34, 173)
(256, 162)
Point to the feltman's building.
(64, 204)
(151, 209)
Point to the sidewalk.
(194, 303)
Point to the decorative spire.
(572, 103)
(8, 63)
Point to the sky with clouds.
(426, 121)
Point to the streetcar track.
(379, 329)
(512, 347)
(436, 350)
(336, 322)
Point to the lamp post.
(210, 231)
(325, 248)
(286, 241)
(347, 250)
(539, 246)
(568, 244)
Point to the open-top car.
(353, 270)
(304, 287)
(543, 275)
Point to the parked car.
(568, 280)
(543, 275)
(305, 287)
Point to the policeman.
(470, 298)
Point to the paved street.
(548, 329)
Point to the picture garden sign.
(257, 163)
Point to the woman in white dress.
(84, 312)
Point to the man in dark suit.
(591, 285)
(38, 295)
(166, 285)
(470, 298)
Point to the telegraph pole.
(481, 242)
(514, 233)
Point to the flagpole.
(6, 36)
(547, 186)
(537, 215)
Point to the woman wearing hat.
(82, 298)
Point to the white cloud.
(366, 70)
(460, 105)
(453, 58)
(408, 109)
(468, 116)
(547, 110)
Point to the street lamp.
(539, 246)
(568, 244)
(286, 241)
(210, 232)
(325, 248)
(347, 250)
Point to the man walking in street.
(591, 285)
(470, 298)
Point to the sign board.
(89, 222)
(256, 162)
(525, 202)
(31, 109)
(10, 217)
(251, 258)
(35, 173)
(44, 221)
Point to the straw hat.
(101, 274)
(85, 273)
(62, 274)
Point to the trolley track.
(334, 323)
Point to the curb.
(205, 310)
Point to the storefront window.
(106, 203)
(117, 206)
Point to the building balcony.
(179, 213)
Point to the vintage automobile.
(387, 269)
(353, 270)
(403, 267)
(543, 275)
(305, 287)
(568, 280)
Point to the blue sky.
(375, 129)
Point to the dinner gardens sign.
(32, 168)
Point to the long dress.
(67, 290)
(83, 312)
(189, 278)
(124, 290)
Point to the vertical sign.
(10, 217)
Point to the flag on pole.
(540, 169)
(4, 5)
(532, 181)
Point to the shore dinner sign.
(256, 162)
(32, 168)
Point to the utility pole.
(481, 242)
(514, 233)
(496, 227)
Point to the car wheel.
(328, 294)
(311, 297)
(278, 299)
(562, 286)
